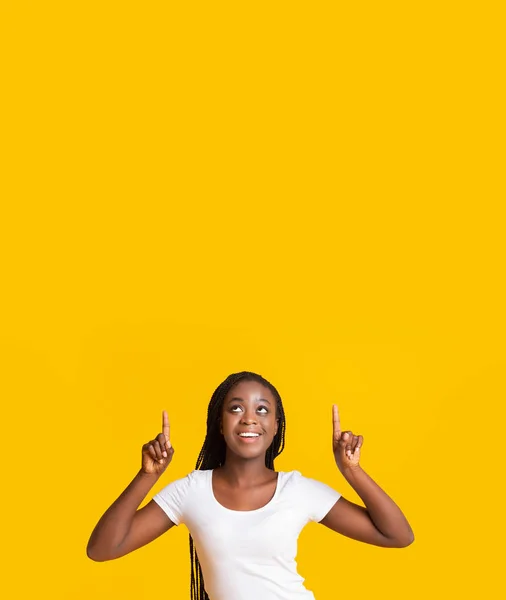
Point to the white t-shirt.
(248, 555)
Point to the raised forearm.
(115, 523)
(384, 513)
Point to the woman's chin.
(248, 453)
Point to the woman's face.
(249, 422)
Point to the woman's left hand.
(345, 444)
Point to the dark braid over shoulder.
(212, 454)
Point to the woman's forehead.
(250, 389)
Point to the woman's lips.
(249, 439)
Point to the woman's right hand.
(157, 453)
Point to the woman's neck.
(237, 471)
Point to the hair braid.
(213, 452)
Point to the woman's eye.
(264, 408)
(233, 408)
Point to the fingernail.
(164, 454)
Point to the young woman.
(244, 518)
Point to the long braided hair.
(212, 454)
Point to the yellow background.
(307, 190)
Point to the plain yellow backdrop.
(312, 191)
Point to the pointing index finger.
(336, 421)
(165, 425)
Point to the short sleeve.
(172, 498)
(317, 497)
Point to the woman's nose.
(247, 418)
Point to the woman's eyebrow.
(242, 400)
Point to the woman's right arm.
(123, 528)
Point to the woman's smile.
(249, 436)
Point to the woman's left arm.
(381, 522)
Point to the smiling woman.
(235, 489)
(250, 416)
